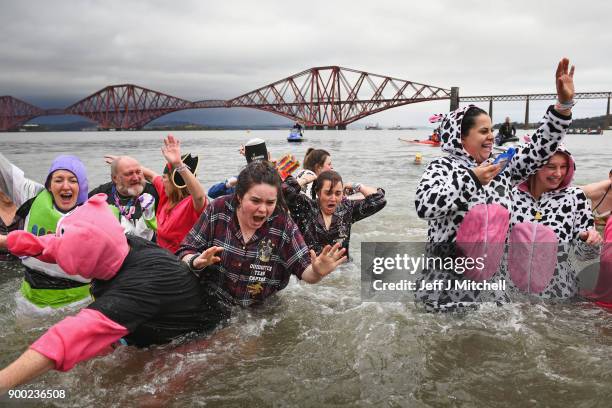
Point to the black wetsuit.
(506, 131)
(156, 297)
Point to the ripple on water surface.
(320, 345)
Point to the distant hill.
(590, 123)
(79, 126)
(199, 119)
(59, 127)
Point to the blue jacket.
(220, 189)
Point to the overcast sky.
(56, 52)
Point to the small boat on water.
(295, 136)
(426, 142)
(510, 141)
(582, 131)
(372, 127)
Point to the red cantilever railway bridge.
(318, 97)
(321, 97)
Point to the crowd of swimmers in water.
(148, 258)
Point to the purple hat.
(76, 167)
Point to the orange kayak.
(423, 142)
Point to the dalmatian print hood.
(569, 176)
(451, 136)
(562, 214)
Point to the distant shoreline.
(82, 126)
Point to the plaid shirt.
(248, 272)
(305, 211)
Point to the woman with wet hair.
(316, 161)
(327, 220)
(465, 196)
(245, 246)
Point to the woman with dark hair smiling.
(246, 246)
(327, 219)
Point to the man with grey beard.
(132, 196)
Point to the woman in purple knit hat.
(46, 287)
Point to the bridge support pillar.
(343, 127)
(319, 127)
(607, 118)
(491, 108)
(527, 114)
(454, 99)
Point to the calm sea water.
(319, 345)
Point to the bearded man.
(134, 198)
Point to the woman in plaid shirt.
(328, 219)
(245, 246)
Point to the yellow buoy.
(417, 158)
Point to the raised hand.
(565, 81)
(207, 258)
(348, 189)
(351, 188)
(172, 150)
(109, 158)
(328, 259)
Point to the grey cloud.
(195, 49)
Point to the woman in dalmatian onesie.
(550, 220)
(454, 184)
